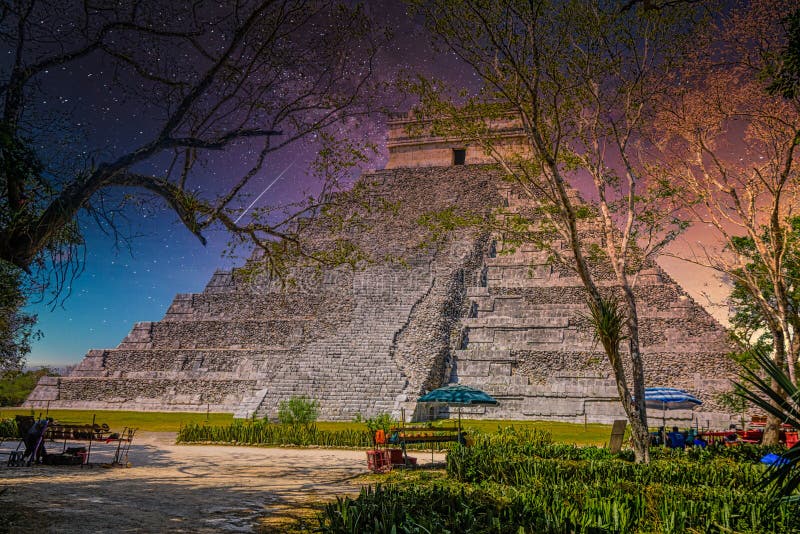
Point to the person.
(661, 436)
(698, 441)
(35, 437)
(655, 438)
(732, 438)
(676, 439)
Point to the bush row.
(8, 428)
(519, 482)
(266, 433)
(553, 508)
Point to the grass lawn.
(570, 433)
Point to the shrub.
(382, 421)
(518, 481)
(298, 411)
(8, 428)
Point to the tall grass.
(266, 433)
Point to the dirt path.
(178, 488)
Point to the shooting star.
(262, 193)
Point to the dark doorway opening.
(459, 156)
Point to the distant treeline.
(15, 386)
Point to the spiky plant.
(783, 402)
(608, 321)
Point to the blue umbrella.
(458, 395)
(669, 399)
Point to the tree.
(731, 129)
(250, 75)
(16, 326)
(579, 79)
(16, 385)
(750, 325)
(784, 72)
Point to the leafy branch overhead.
(254, 77)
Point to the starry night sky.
(128, 282)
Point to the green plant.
(15, 385)
(298, 411)
(8, 428)
(783, 402)
(382, 421)
(510, 484)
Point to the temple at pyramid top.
(411, 143)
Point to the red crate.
(378, 461)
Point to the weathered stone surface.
(531, 346)
(365, 341)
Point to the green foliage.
(266, 433)
(520, 482)
(8, 428)
(16, 326)
(748, 319)
(784, 72)
(382, 421)
(782, 402)
(608, 320)
(298, 411)
(15, 386)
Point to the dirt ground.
(179, 488)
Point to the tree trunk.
(772, 430)
(639, 417)
(641, 439)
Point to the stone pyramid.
(372, 340)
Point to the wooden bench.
(410, 435)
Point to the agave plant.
(782, 402)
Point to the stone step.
(501, 321)
(216, 334)
(517, 258)
(112, 361)
(506, 336)
(488, 382)
(537, 346)
(489, 354)
(255, 305)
